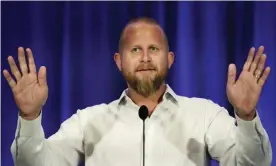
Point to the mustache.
(145, 67)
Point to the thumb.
(42, 76)
(231, 74)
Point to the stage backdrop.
(76, 41)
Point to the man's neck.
(151, 102)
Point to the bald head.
(140, 22)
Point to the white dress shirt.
(181, 131)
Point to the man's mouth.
(145, 70)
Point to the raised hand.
(244, 93)
(30, 90)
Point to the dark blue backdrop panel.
(76, 41)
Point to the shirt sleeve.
(31, 148)
(236, 142)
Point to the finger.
(32, 66)
(249, 60)
(264, 77)
(254, 64)
(9, 79)
(42, 76)
(231, 74)
(22, 61)
(14, 68)
(260, 66)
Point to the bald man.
(179, 130)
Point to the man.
(179, 131)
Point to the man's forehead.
(134, 27)
(137, 29)
(155, 32)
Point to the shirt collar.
(168, 95)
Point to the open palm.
(244, 92)
(30, 90)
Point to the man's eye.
(135, 50)
(153, 49)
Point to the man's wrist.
(30, 116)
(247, 117)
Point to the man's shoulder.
(193, 101)
(98, 109)
(199, 105)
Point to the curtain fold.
(76, 41)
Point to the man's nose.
(146, 56)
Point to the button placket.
(147, 138)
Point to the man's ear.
(170, 59)
(117, 59)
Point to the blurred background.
(76, 41)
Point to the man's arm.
(242, 145)
(31, 148)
